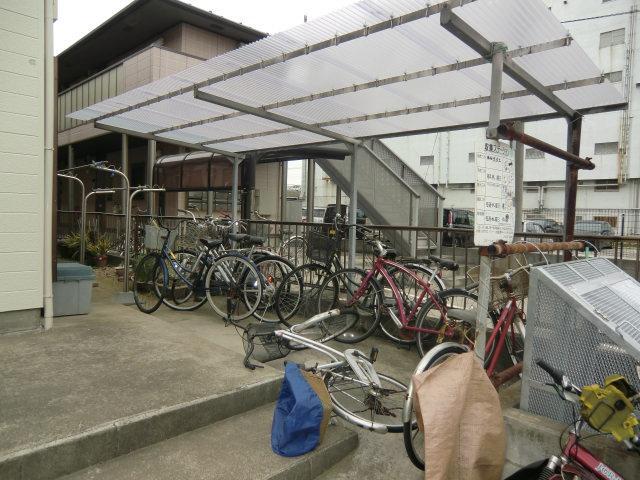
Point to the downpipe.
(49, 17)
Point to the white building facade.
(606, 30)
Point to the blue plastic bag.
(298, 415)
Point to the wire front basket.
(262, 344)
(154, 237)
(322, 247)
(520, 280)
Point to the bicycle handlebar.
(555, 374)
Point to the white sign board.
(495, 188)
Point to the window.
(606, 148)
(533, 153)
(606, 185)
(426, 160)
(472, 157)
(614, 37)
(614, 76)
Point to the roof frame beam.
(274, 117)
(150, 136)
(429, 72)
(471, 37)
(306, 50)
(419, 109)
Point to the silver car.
(593, 228)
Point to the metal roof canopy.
(375, 68)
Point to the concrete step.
(111, 382)
(236, 448)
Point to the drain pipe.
(49, 16)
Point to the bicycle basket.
(322, 247)
(261, 344)
(154, 237)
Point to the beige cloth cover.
(317, 384)
(459, 411)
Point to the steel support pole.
(484, 290)
(519, 179)
(125, 170)
(353, 206)
(574, 132)
(209, 203)
(338, 199)
(127, 233)
(311, 188)
(151, 161)
(283, 191)
(497, 62)
(234, 195)
(71, 164)
(83, 209)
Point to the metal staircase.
(391, 193)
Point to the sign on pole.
(495, 192)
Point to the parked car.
(531, 228)
(548, 225)
(460, 219)
(591, 228)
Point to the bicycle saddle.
(246, 238)
(448, 264)
(211, 242)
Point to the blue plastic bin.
(72, 290)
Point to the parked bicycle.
(608, 409)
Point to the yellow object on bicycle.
(609, 409)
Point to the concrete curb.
(66, 455)
(320, 460)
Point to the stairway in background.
(391, 193)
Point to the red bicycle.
(608, 409)
(398, 302)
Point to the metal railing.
(449, 243)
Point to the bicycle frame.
(503, 326)
(404, 319)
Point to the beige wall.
(203, 44)
(22, 154)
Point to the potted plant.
(70, 245)
(99, 248)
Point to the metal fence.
(623, 221)
(280, 237)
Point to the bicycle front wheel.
(410, 291)
(412, 433)
(297, 297)
(149, 283)
(233, 287)
(360, 312)
(181, 295)
(374, 407)
(451, 319)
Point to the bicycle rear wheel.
(413, 435)
(299, 300)
(149, 283)
(233, 287)
(359, 318)
(376, 408)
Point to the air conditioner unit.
(583, 317)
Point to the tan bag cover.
(317, 384)
(459, 410)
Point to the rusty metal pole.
(574, 132)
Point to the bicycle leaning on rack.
(608, 409)
(229, 280)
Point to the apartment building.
(147, 40)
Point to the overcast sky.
(76, 18)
